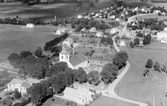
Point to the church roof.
(77, 59)
(26, 85)
(82, 91)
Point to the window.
(61, 57)
(66, 57)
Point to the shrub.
(17, 94)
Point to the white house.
(92, 30)
(99, 34)
(161, 35)
(79, 95)
(114, 30)
(156, 11)
(73, 61)
(21, 85)
(68, 42)
(30, 25)
(122, 43)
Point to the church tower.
(64, 55)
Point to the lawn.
(107, 101)
(47, 12)
(134, 85)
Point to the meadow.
(14, 39)
(134, 85)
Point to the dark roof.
(77, 59)
(26, 85)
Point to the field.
(47, 12)
(134, 85)
(107, 101)
(146, 4)
(16, 39)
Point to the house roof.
(82, 91)
(26, 85)
(32, 80)
(69, 40)
(15, 80)
(77, 59)
(70, 91)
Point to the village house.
(80, 95)
(21, 85)
(161, 36)
(68, 42)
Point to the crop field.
(134, 85)
(47, 12)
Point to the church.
(73, 61)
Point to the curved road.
(112, 86)
(124, 30)
(110, 90)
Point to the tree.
(149, 63)
(38, 52)
(80, 76)
(147, 39)
(120, 59)
(93, 78)
(14, 59)
(136, 41)
(139, 34)
(39, 93)
(131, 44)
(25, 53)
(164, 68)
(157, 67)
(17, 94)
(109, 73)
(56, 68)
(58, 82)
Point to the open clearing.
(134, 86)
(107, 101)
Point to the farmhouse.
(21, 85)
(79, 95)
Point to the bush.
(17, 94)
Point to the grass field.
(16, 39)
(107, 101)
(134, 85)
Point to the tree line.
(151, 23)
(156, 66)
(50, 44)
(136, 41)
(81, 23)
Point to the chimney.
(73, 51)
